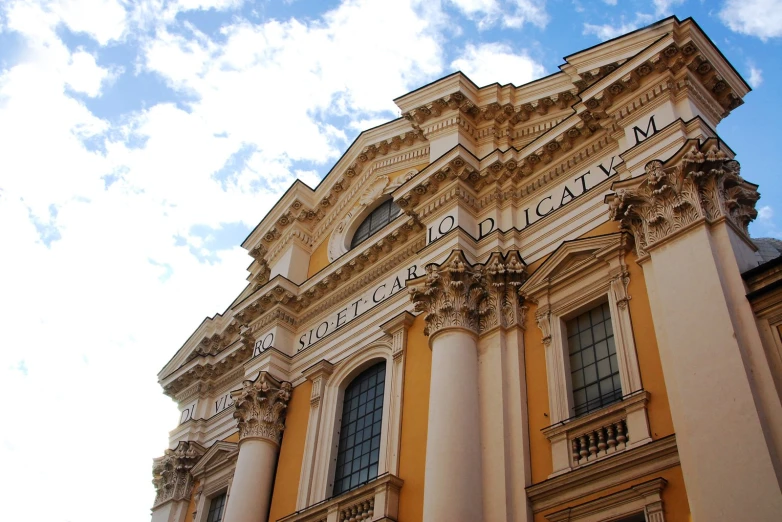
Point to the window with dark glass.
(638, 517)
(359, 435)
(216, 508)
(377, 219)
(593, 367)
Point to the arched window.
(359, 435)
(377, 219)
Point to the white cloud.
(761, 18)
(511, 13)
(612, 30)
(665, 7)
(497, 62)
(766, 224)
(755, 76)
(98, 293)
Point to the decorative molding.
(646, 497)
(700, 182)
(457, 294)
(397, 329)
(260, 408)
(171, 473)
(318, 374)
(620, 469)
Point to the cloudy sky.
(141, 141)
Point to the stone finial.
(456, 294)
(700, 182)
(171, 472)
(260, 407)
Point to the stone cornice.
(699, 183)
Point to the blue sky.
(141, 141)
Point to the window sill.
(375, 501)
(600, 434)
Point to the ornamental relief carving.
(171, 473)
(670, 196)
(259, 407)
(456, 294)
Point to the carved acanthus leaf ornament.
(701, 183)
(456, 294)
(260, 408)
(171, 472)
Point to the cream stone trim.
(377, 500)
(324, 453)
(630, 465)
(396, 329)
(318, 374)
(645, 497)
(577, 276)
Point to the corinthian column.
(173, 481)
(457, 305)
(260, 411)
(689, 216)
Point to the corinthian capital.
(456, 294)
(700, 182)
(171, 472)
(502, 276)
(260, 407)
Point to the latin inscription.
(264, 343)
(376, 295)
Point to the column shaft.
(452, 485)
(251, 488)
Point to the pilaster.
(682, 214)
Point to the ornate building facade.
(535, 303)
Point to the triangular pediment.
(572, 257)
(215, 456)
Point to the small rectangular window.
(216, 508)
(594, 371)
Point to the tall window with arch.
(359, 435)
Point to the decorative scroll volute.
(171, 472)
(456, 294)
(259, 408)
(691, 186)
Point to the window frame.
(222, 493)
(326, 401)
(366, 216)
(341, 425)
(579, 275)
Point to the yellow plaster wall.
(652, 379)
(320, 256)
(415, 419)
(675, 504)
(286, 482)
(232, 438)
(192, 505)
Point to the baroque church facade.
(535, 303)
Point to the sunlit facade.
(535, 303)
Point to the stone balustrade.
(599, 434)
(599, 442)
(375, 501)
